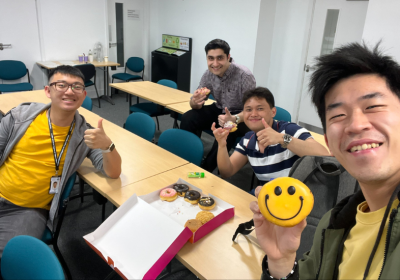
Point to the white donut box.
(144, 234)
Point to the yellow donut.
(285, 201)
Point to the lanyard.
(57, 160)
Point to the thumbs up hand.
(220, 135)
(222, 119)
(268, 136)
(96, 138)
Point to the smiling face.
(218, 62)
(68, 101)
(285, 201)
(362, 128)
(256, 109)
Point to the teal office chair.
(141, 124)
(150, 108)
(89, 72)
(26, 257)
(282, 115)
(51, 237)
(14, 70)
(87, 103)
(183, 144)
(134, 64)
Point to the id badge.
(54, 184)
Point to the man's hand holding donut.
(279, 243)
(224, 118)
(198, 99)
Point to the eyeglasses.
(63, 87)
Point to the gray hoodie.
(13, 126)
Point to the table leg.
(105, 96)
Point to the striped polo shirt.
(276, 161)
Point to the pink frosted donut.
(168, 194)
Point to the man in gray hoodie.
(41, 146)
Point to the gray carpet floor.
(83, 218)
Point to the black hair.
(218, 44)
(262, 93)
(346, 61)
(67, 70)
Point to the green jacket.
(322, 261)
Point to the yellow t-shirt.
(359, 243)
(26, 173)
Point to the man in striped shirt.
(271, 147)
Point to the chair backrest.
(26, 257)
(135, 64)
(168, 83)
(12, 69)
(182, 143)
(87, 103)
(282, 115)
(68, 187)
(88, 71)
(142, 125)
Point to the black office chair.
(89, 71)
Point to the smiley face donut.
(205, 91)
(285, 201)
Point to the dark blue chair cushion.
(47, 236)
(89, 83)
(15, 87)
(126, 76)
(150, 109)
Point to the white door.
(335, 22)
(19, 27)
(130, 32)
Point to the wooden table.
(140, 158)
(104, 65)
(215, 256)
(153, 92)
(183, 107)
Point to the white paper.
(49, 64)
(184, 43)
(67, 62)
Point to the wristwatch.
(286, 140)
(109, 149)
(237, 119)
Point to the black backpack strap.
(245, 229)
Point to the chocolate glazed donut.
(206, 203)
(181, 189)
(192, 196)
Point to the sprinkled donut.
(168, 194)
(192, 196)
(206, 203)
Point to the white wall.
(265, 32)
(234, 21)
(382, 23)
(69, 28)
(18, 27)
(280, 69)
